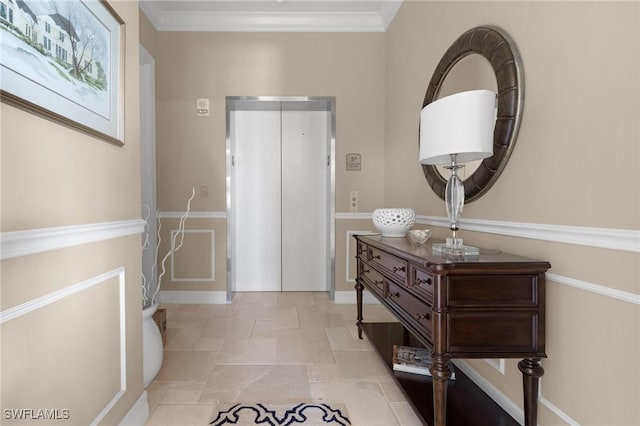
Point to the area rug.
(278, 415)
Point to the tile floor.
(276, 348)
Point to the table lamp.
(456, 129)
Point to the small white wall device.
(202, 107)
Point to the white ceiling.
(271, 15)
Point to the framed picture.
(64, 60)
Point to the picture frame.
(64, 61)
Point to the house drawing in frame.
(69, 54)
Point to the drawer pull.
(366, 271)
(390, 295)
(420, 281)
(398, 268)
(426, 316)
(377, 256)
(378, 282)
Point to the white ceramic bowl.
(393, 222)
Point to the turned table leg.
(359, 288)
(531, 372)
(441, 374)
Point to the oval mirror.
(477, 46)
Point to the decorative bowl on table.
(419, 236)
(393, 222)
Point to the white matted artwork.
(64, 60)
(199, 239)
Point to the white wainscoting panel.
(40, 302)
(212, 275)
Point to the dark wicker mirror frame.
(496, 47)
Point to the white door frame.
(234, 103)
(148, 164)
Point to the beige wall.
(575, 164)
(68, 354)
(191, 149)
(581, 65)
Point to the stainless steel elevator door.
(279, 197)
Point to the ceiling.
(271, 15)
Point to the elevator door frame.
(239, 103)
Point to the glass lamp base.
(454, 246)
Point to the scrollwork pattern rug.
(303, 413)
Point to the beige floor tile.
(298, 299)
(342, 339)
(181, 392)
(260, 299)
(229, 327)
(317, 318)
(272, 313)
(185, 366)
(361, 366)
(365, 402)
(257, 384)
(182, 415)
(188, 318)
(329, 372)
(182, 339)
(259, 350)
(219, 311)
(303, 346)
(274, 348)
(269, 328)
(211, 344)
(405, 414)
(392, 392)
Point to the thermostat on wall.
(202, 107)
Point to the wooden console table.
(486, 306)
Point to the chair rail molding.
(192, 215)
(606, 238)
(32, 241)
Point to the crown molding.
(272, 21)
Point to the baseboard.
(220, 297)
(193, 297)
(138, 414)
(500, 398)
(349, 297)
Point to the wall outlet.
(204, 191)
(353, 201)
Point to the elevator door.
(280, 192)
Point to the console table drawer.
(397, 267)
(373, 278)
(413, 310)
(496, 290)
(421, 283)
(484, 332)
